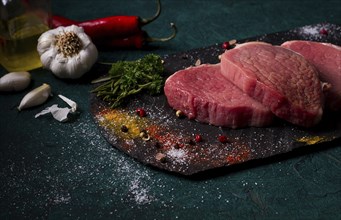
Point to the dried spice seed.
(144, 135)
(222, 139)
(146, 138)
(198, 138)
(124, 128)
(141, 112)
(233, 42)
(323, 32)
(198, 62)
(226, 45)
(229, 44)
(179, 114)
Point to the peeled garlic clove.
(36, 97)
(15, 81)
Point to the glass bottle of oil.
(21, 24)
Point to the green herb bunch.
(127, 78)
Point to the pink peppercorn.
(141, 112)
(226, 45)
(198, 138)
(323, 31)
(222, 139)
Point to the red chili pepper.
(138, 40)
(58, 21)
(112, 26)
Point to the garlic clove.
(74, 68)
(15, 81)
(48, 57)
(44, 42)
(35, 97)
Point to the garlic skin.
(15, 81)
(36, 97)
(67, 51)
(60, 114)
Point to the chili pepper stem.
(153, 39)
(145, 21)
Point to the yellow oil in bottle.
(18, 46)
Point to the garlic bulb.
(67, 51)
(36, 97)
(15, 81)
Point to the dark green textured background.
(52, 170)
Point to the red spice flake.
(141, 112)
(198, 138)
(324, 32)
(222, 139)
(230, 159)
(238, 155)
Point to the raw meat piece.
(327, 59)
(277, 77)
(202, 93)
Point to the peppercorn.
(144, 135)
(222, 139)
(179, 114)
(124, 128)
(324, 32)
(141, 112)
(226, 45)
(229, 44)
(198, 138)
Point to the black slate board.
(173, 138)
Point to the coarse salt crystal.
(177, 155)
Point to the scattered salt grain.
(315, 32)
(177, 155)
(310, 30)
(140, 193)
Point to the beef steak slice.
(327, 59)
(280, 79)
(203, 94)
